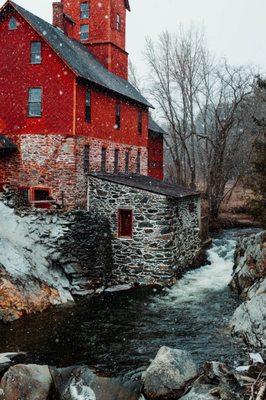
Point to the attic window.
(84, 32)
(12, 25)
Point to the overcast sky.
(235, 29)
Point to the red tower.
(100, 25)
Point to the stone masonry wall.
(57, 162)
(69, 251)
(164, 241)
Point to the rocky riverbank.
(171, 375)
(249, 281)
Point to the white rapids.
(212, 277)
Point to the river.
(119, 332)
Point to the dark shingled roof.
(79, 59)
(154, 127)
(6, 145)
(148, 184)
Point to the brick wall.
(165, 232)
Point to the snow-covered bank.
(47, 257)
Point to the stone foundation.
(57, 162)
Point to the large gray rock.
(249, 321)
(26, 382)
(250, 263)
(199, 392)
(81, 383)
(168, 374)
(249, 280)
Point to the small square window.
(84, 32)
(12, 25)
(125, 223)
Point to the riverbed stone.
(249, 321)
(199, 392)
(168, 374)
(81, 381)
(29, 382)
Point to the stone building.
(154, 226)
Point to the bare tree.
(207, 109)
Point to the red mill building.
(71, 124)
(66, 104)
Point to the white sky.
(235, 29)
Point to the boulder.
(249, 280)
(215, 371)
(249, 321)
(199, 392)
(29, 382)
(80, 382)
(250, 263)
(168, 374)
(7, 359)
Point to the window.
(118, 22)
(86, 159)
(40, 198)
(103, 160)
(88, 105)
(84, 32)
(12, 25)
(36, 53)
(127, 157)
(84, 10)
(138, 162)
(116, 162)
(140, 121)
(192, 208)
(125, 223)
(118, 116)
(35, 102)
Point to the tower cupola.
(100, 25)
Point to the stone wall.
(165, 232)
(69, 252)
(57, 162)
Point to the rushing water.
(123, 331)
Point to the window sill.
(126, 238)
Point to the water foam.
(196, 284)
